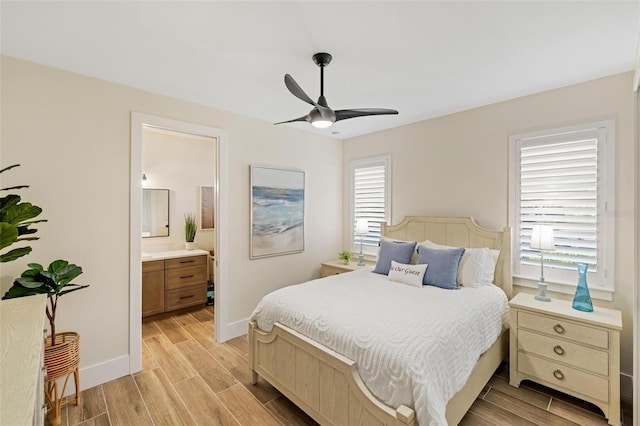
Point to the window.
(564, 178)
(370, 183)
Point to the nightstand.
(335, 267)
(575, 352)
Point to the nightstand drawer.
(559, 375)
(339, 267)
(563, 351)
(565, 329)
(332, 270)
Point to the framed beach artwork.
(277, 211)
(207, 196)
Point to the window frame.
(601, 286)
(384, 160)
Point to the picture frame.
(277, 211)
(207, 208)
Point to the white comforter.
(413, 346)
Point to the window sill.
(596, 292)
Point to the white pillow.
(477, 266)
(471, 269)
(490, 267)
(407, 274)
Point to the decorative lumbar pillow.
(443, 266)
(390, 250)
(477, 265)
(407, 274)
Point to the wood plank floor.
(189, 379)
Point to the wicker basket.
(63, 357)
(61, 360)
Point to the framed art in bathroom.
(277, 211)
(207, 196)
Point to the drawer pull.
(186, 297)
(186, 276)
(187, 261)
(558, 375)
(558, 329)
(559, 350)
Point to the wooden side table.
(575, 352)
(334, 267)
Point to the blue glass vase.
(582, 298)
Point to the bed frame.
(326, 385)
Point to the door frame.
(138, 122)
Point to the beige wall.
(180, 163)
(71, 134)
(457, 165)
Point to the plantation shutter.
(369, 200)
(559, 179)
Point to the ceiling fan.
(321, 115)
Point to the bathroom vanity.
(173, 280)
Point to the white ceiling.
(425, 59)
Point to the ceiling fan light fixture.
(321, 124)
(318, 120)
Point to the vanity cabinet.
(152, 287)
(173, 283)
(185, 282)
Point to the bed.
(328, 386)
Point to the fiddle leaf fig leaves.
(15, 221)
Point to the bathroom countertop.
(171, 254)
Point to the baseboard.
(233, 330)
(626, 387)
(97, 374)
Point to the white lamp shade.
(542, 237)
(362, 226)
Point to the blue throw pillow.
(400, 251)
(443, 266)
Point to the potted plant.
(190, 231)
(62, 350)
(55, 282)
(345, 256)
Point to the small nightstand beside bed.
(336, 267)
(575, 352)
(330, 345)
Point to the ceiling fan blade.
(303, 118)
(343, 114)
(297, 91)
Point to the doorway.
(140, 122)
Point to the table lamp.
(542, 239)
(362, 229)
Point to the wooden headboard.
(458, 232)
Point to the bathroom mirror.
(155, 213)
